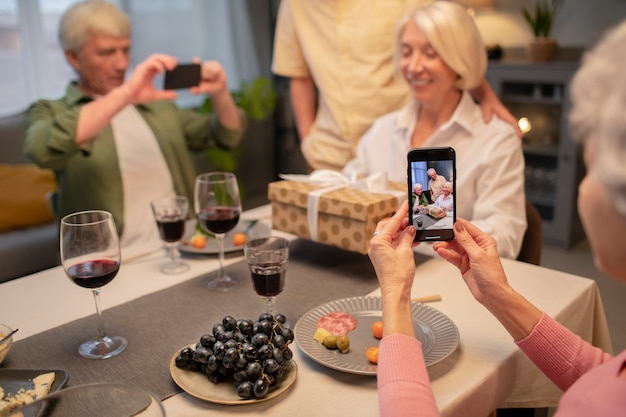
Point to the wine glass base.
(173, 268)
(223, 283)
(103, 347)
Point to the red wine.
(219, 219)
(269, 278)
(171, 228)
(93, 274)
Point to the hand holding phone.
(432, 194)
(182, 76)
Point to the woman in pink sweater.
(594, 383)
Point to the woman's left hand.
(391, 252)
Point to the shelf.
(521, 99)
(551, 150)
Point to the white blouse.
(489, 166)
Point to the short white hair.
(598, 93)
(91, 16)
(453, 34)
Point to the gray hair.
(91, 16)
(598, 92)
(451, 32)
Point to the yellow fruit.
(343, 343)
(330, 342)
(321, 334)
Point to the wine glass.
(218, 207)
(170, 213)
(267, 260)
(98, 399)
(90, 255)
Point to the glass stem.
(171, 250)
(220, 246)
(96, 298)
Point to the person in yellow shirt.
(339, 58)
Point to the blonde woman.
(593, 381)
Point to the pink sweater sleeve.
(403, 385)
(560, 354)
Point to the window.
(33, 66)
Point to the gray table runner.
(159, 324)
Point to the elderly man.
(419, 198)
(435, 184)
(117, 144)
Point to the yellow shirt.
(346, 47)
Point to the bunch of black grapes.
(254, 354)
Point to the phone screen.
(182, 76)
(432, 193)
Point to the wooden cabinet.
(538, 93)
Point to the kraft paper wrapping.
(347, 217)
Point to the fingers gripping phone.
(432, 194)
(182, 76)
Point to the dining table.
(159, 313)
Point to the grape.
(229, 323)
(244, 390)
(271, 365)
(260, 339)
(251, 354)
(266, 317)
(202, 355)
(207, 340)
(287, 333)
(265, 327)
(218, 328)
(260, 388)
(181, 362)
(279, 341)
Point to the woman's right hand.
(476, 255)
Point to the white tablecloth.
(486, 371)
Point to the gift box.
(346, 217)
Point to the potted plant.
(258, 100)
(540, 20)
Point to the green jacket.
(89, 177)
(423, 200)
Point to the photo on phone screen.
(432, 195)
(182, 76)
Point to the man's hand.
(212, 79)
(139, 86)
(491, 105)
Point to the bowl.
(6, 345)
(98, 399)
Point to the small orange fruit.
(377, 329)
(372, 354)
(239, 239)
(198, 241)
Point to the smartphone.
(182, 76)
(432, 194)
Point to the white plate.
(258, 230)
(198, 385)
(438, 334)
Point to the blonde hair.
(91, 16)
(598, 92)
(453, 34)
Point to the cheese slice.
(10, 402)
